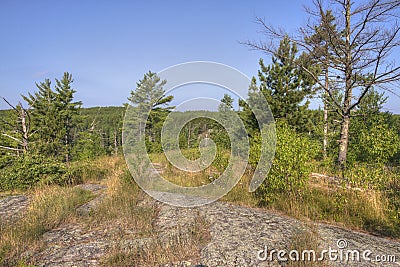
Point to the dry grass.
(51, 207)
(182, 178)
(306, 240)
(240, 193)
(184, 246)
(122, 203)
(127, 206)
(93, 171)
(124, 206)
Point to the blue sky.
(108, 46)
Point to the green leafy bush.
(26, 171)
(290, 169)
(375, 143)
(373, 176)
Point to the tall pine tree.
(286, 86)
(68, 113)
(322, 56)
(150, 96)
(54, 117)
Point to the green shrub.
(221, 139)
(290, 169)
(377, 143)
(392, 191)
(373, 176)
(26, 171)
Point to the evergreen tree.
(54, 117)
(105, 122)
(226, 103)
(254, 102)
(44, 119)
(88, 145)
(285, 85)
(369, 33)
(150, 96)
(321, 56)
(68, 113)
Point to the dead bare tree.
(19, 131)
(367, 33)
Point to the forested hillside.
(106, 122)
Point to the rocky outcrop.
(242, 236)
(239, 236)
(12, 207)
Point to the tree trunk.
(325, 142)
(344, 141)
(344, 133)
(24, 130)
(189, 134)
(67, 157)
(115, 143)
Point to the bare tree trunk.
(325, 142)
(67, 142)
(66, 149)
(189, 134)
(344, 141)
(361, 43)
(22, 128)
(25, 130)
(344, 133)
(115, 143)
(140, 131)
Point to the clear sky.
(109, 45)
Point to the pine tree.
(226, 103)
(285, 85)
(149, 100)
(68, 113)
(321, 56)
(44, 120)
(54, 117)
(369, 33)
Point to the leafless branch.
(11, 148)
